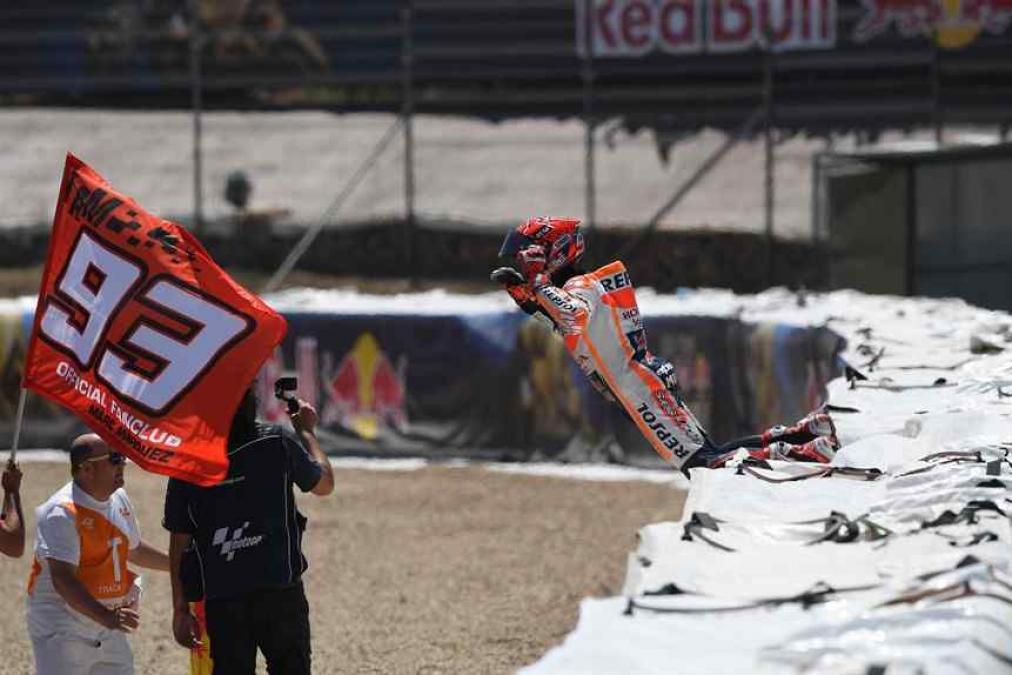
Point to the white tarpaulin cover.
(901, 570)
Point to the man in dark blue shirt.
(241, 541)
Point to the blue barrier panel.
(500, 385)
(493, 385)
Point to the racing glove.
(514, 284)
(532, 262)
(522, 294)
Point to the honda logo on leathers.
(230, 544)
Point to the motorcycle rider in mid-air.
(599, 320)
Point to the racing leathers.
(598, 318)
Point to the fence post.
(768, 143)
(590, 185)
(196, 102)
(936, 93)
(407, 113)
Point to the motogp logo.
(229, 545)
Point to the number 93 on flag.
(141, 334)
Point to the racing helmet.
(559, 237)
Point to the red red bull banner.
(140, 333)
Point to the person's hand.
(531, 261)
(506, 277)
(185, 629)
(518, 289)
(11, 479)
(123, 619)
(305, 418)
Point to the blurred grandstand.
(684, 137)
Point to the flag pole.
(17, 424)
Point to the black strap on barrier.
(840, 529)
(752, 461)
(876, 357)
(818, 473)
(668, 589)
(961, 589)
(819, 593)
(948, 457)
(821, 472)
(852, 374)
(914, 472)
(967, 515)
(837, 528)
(822, 592)
(875, 530)
(829, 407)
(992, 468)
(955, 456)
(703, 521)
(978, 538)
(854, 472)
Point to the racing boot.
(813, 425)
(820, 450)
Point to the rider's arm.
(568, 307)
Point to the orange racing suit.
(597, 315)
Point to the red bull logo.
(951, 23)
(366, 391)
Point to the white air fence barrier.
(896, 559)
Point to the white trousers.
(70, 654)
(67, 643)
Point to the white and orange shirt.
(599, 320)
(95, 536)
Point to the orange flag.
(141, 334)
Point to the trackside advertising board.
(141, 334)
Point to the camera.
(284, 390)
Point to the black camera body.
(284, 390)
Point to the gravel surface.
(440, 570)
